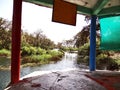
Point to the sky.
(36, 18)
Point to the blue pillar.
(92, 62)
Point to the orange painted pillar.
(16, 39)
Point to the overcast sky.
(36, 18)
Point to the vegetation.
(104, 59)
(41, 56)
(5, 34)
(5, 52)
(35, 48)
(67, 46)
(68, 49)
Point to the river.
(67, 62)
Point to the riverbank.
(39, 58)
(5, 62)
(105, 60)
(30, 56)
(8, 67)
(68, 61)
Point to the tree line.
(36, 48)
(38, 39)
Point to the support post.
(92, 62)
(16, 39)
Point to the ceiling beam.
(45, 3)
(49, 3)
(110, 11)
(99, 6)
(84, 10)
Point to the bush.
(37, 55)
(45, 57)
(42, 59)
(64, 48)
(33, 50)
(40, 51)
(25, 51)
(113, 64)
(84, 47)
(55, 53)
(104, 59)
(70, 49)
(4, 52)
(28, 50)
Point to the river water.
(67, 62)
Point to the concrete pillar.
(92, 62)
(16, 39)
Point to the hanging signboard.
(64, 12)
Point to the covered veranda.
(93, 8)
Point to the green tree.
(83, 36)
(5, 34)
(38, 39)
(42, 41)
(27, 39)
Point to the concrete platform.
(60, 80)
(109, 79)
